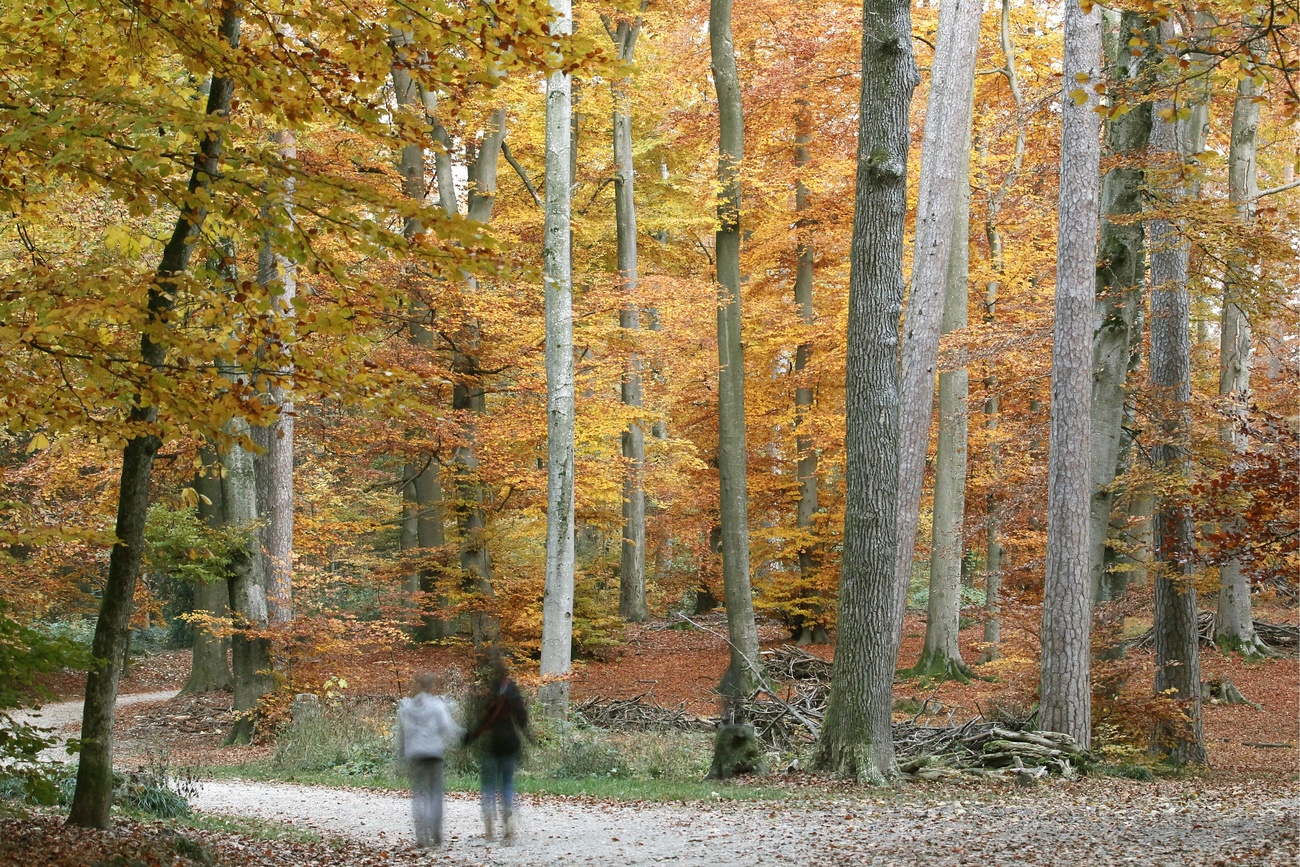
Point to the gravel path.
(64, 719)
(1093, 822)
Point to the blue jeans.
(498, 775)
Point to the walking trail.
(1101, 822)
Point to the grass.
(257, 829)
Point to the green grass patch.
(257, 829)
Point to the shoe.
(487, 824)
(507, 825)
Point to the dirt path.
(64, 719)
(1093, 822)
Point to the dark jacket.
(502, 717)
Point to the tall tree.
(557, 274)
(947, 117)
(1177, 635)
(209, 668)
(1065, 695)
(732, 484)
(1121, 279)
(857, 738)
(1234, 625)
(941, 654)
(93, 797)
(631, 572)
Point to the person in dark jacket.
(501, 720)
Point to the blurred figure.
(425, 730)
(501, 720)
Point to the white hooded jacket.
(424, 727)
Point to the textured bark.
(209, 668)
(93, 798)
(1177, 644)
(557, 274)
(733, 490)
(631, 595)
(1121, 280)
(941, 654)
(952, 81)
(1234, 626)
(277, 273)
(1064, 688)
(857, 739)
(993, 551)
(806, 468)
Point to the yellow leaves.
(39, 442)
(1078, 96)
(1169, 114)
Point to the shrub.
(352, 737)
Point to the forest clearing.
(784, 431)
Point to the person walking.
(425, 729)
(501, 720)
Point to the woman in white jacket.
(425, 730)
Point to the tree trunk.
(250, 652)
(557, 274)
(856, 739)
(812, 630)
(1121, 281)
(275, 464)
(732, 486)
(941, 656)
(631, 597)
(209, 668)
(1065, 697)
(948, 107)
(92, 800)
(1177, 642)
(1234, 626)
(993, 528)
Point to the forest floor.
(1242, 811)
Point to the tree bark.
(952, 82)
(1234, 625)
(93, 798)
(857, 739)
(557, 274)
(209, 668)
(631, 597)
(1065, 688)
(813, 632)
(277, 272)
(941, 655)
(732, 486)
(1177, 642)
(1121, 281)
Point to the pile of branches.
(1272, 634)
(641, 713)
(986, 748)
(794, 663)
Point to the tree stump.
(736, 751)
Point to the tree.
(1065, 694)
(732, 487)
(557, 274)
(944, 150)
(631, 572)
(209, 668)
(93, 797)
(1177, 634)
(857, 738)
(1121, 279)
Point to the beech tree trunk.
(631, 596)
(1121, 283)
(1234, 625)
(209, 668)
(277, 272)
(941, 655)
(1177, 642)
(806, 469)
(952, 82)
(732, 486)
(856, 738)
(557, 274)
(92, 800)
(1065, 695)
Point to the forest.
(837, 356)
